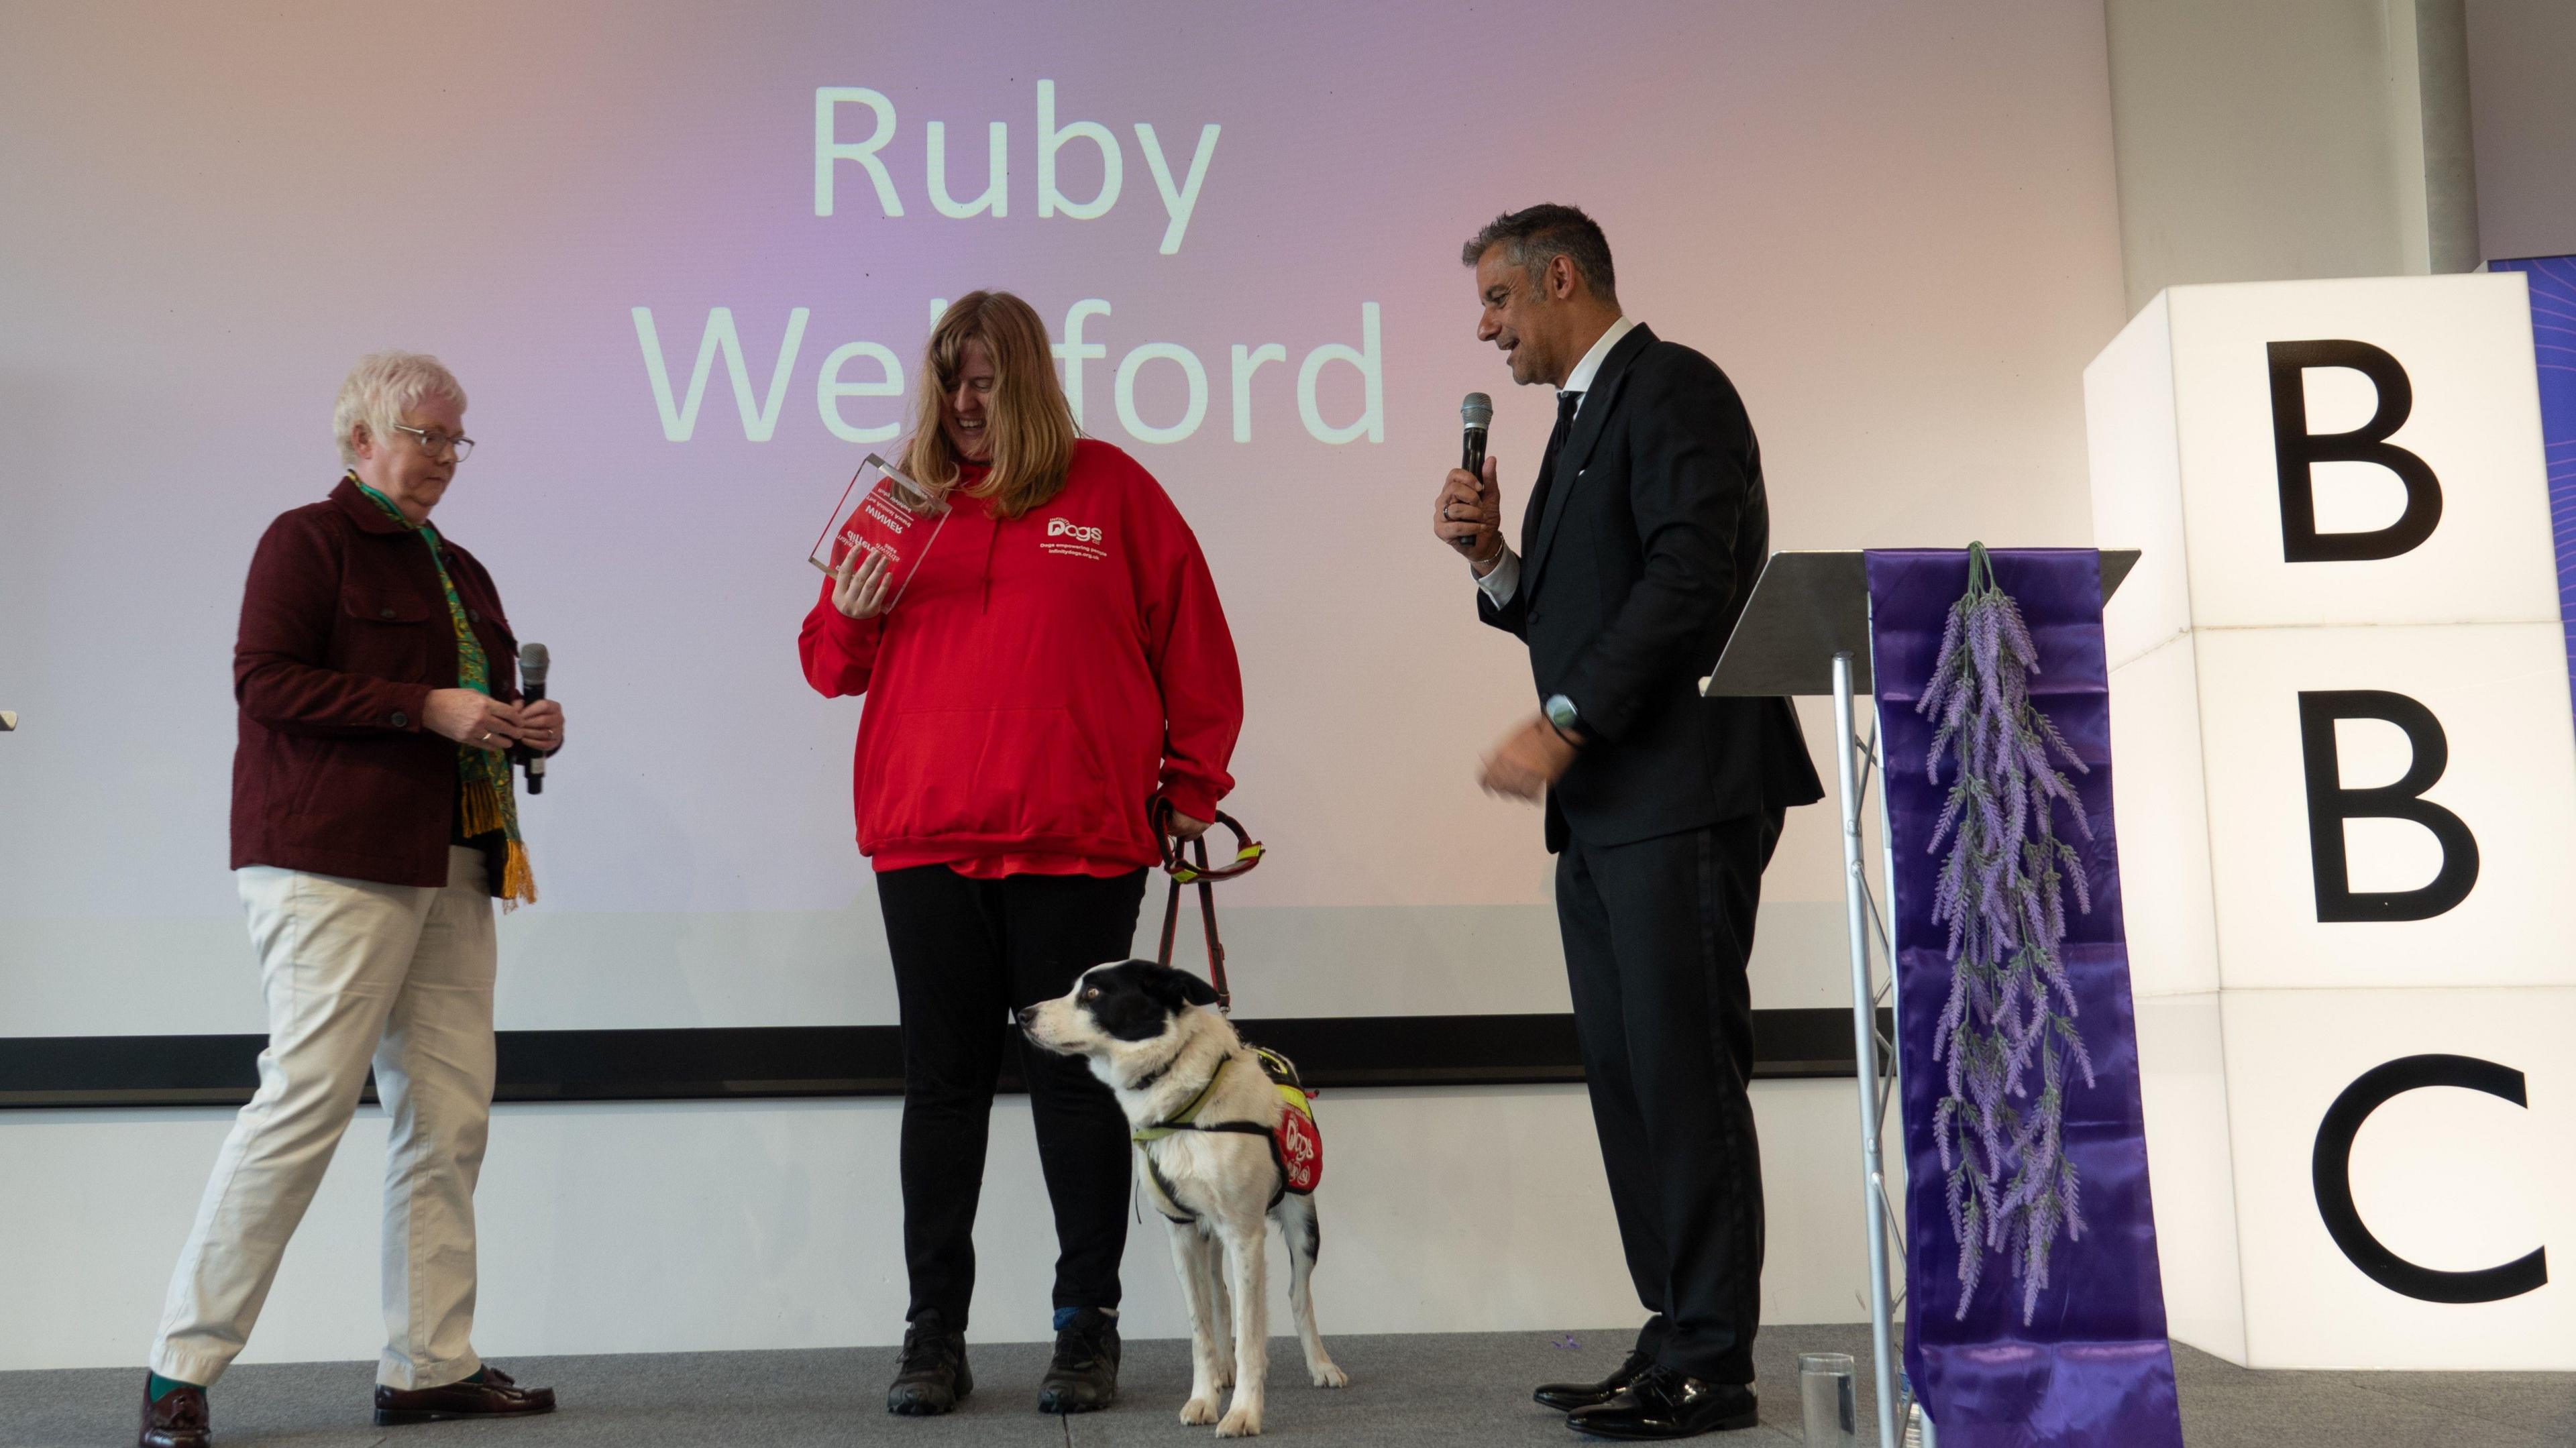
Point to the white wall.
(704, 1226)
(2286, 139)
(2521, 53)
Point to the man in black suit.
(1645, 530)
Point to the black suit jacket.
(1652, 535)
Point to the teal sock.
(160, 1387)
(478, 1376)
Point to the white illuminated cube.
(2340, 492)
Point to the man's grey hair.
(1534, 237)
(381, 388)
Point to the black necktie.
(1566, 402)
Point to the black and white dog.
(1202, 1108)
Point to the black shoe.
(1664, 1404)
(931, 1376)
(491, 1393)
(1084, 1376)
(177, 1421)
(1568, 1397)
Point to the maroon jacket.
(344, 631)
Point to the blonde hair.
(1028, 420)
(381, 388)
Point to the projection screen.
(684, 258)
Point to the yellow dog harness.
(1296, 1146)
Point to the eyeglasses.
(434, 443)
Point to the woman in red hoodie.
(1059, 667)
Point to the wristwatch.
(1560, 713)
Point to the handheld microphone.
(532, 688)
(1477, 412)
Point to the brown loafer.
(496, 1396)
(177, 1421)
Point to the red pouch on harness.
(1301, 1149)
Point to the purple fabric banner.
(2093, 1368)
(2553, 345)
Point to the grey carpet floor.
(1406, 1392)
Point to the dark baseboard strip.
(770, 1062)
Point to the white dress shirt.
(1505, 579)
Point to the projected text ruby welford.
(868, 369)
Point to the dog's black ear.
(1178, 988)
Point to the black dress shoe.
(494, 1395)
(177, 1421)
(1567, 1397)
(1664, 1404)
(931, 1375)
(1084, 1376)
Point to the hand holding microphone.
(540, 718)
(1468, 514)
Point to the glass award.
(882, 511)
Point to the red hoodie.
(1040, 681)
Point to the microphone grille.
(1477, 410)
(532, 662)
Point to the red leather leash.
(1194, 870)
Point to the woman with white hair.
(372, 824)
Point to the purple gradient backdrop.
(1893, 224)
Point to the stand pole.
(1864, 1052)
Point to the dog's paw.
(1223, 1377)
(1329, 1374)
(1199, 1412)
(1243, 1422)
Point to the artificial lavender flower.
(2002, 892)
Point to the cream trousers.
(354, 970)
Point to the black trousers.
(966, 954)
(1656, 938)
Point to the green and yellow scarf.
(489, 802)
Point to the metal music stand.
(1806, 630)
